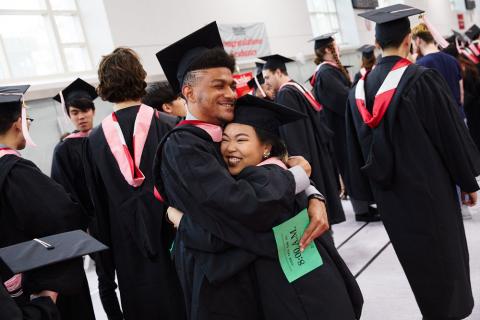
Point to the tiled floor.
(383, 283)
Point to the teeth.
(233, 160)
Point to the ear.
(267, 148)
(17, 125)
(407, 41)
(188, 93)
(167, 108)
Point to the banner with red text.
(245, 41)
(241, 80)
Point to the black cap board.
(252, 84)
(263, 114)
(391, 21)
(473, 32)
(11, 100)
(49, 250)
(275, 61)
(367, 50)
(176, 60)
(75, 90)
(259, 66)
(323, 39)
(460, 37)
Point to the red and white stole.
(214, 131)
(474, 49)
(274, 161)
(313, 78)
(363, 72)
(384, 95)
(129, 166)
(308, 95)
(77, 135)
(5, 151)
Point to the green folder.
(294, 263)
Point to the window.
(40, 38)
(324, 18)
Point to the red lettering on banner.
(241, 80)
(242, 43)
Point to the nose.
(231, 93)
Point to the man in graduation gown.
(32, 206)
(193, 178)
(129, 213)
(310, 138)
(408, 148)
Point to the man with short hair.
(161, 97)
(310, 138)
(407, 149)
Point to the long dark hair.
(320, 57)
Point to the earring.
(266, 154)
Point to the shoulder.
(186, 136)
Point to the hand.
(318, 222)
(46, 293)
(175, 216)
(300, 161)
(469, 199)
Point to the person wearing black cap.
(67, 167)
(129, 212)
(257, 83)
(161, 97)
(252, 150)
(192, 177)
(407, 148)
(473, 33)
(368, 61)
(331, 84)
(310, 137)
(32, 206)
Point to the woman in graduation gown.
(129, 212)
(331, 85)
(252, 151)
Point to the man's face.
(81, 119)
(213, 95)
(272, 81)
(177, 107)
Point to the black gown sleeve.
(228, 208)
(446, 129)
(100, 229)
(41, 308)
(331, 91)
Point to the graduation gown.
(41, 308)
(32, 206)
(312, 139)
(471, 86)
(192, 176)
(328, 292)
(131, 222)
(409, 164)
(67, 170)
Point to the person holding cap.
(407, 149)
(32, 205)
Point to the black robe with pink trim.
(131, 222)
(409, 165)
(312, 139)
(32, 206)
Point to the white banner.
(245, 41)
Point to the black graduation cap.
(473, 32)
(49, 250)
(275, 61)
(367, 50)
(259, 66)
(11, 99)
(252, 84)
(391, 21)
(76, 90)
(459, 36)
(177, 58)
(263, 114)
(323, 39)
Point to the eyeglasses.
(30, 119)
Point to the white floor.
(385, 288)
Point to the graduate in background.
(32, 206)
(129, 212)
(368, 61)
(331, 84)
(310, 138)
(161, 97)
(192, 176)
(407, 148)
(257, 83)
(67, 167)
